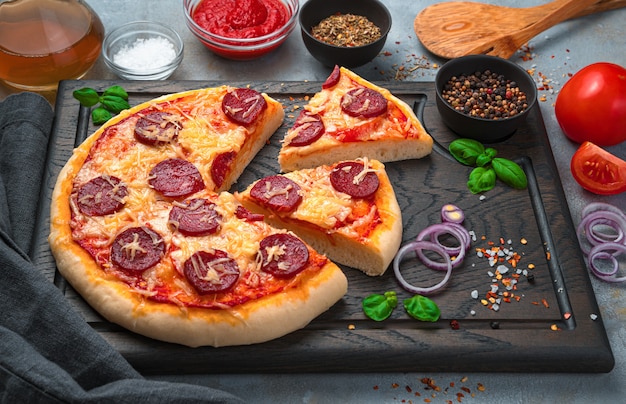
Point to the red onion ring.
(609, 218)
(602, 206)
(418, 246)
(605, 245)
(452, 214)
(607, 251)
(434, 231)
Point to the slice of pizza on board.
(347, 211)
(351, 118)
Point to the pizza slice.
(351, 118)
(214, 132)
(347, 211)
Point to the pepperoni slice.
(221, 166)
(308, 127)
(283, 255)
(352, 178)
(195, 217)
(156, 128)
(243, 105)
(333, 78)
(277, 192)
(363, 103)
(244, 214)
(101, 196)
(211, 272)
(175, 178)
(137, 249)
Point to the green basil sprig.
(379, 307)
(112, 101)
(472, 153)
(422, 308)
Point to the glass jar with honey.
(45, 41)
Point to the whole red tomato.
(592, 105)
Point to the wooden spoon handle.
(598, 7)
(602, 5)
(564, 10)
(507, 45)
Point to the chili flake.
(347, 30)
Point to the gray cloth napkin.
(48, 353)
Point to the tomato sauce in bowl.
(245, 29)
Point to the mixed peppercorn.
(485, 95)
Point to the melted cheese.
(321, 204)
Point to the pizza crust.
(255, 321)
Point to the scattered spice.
(486, 95)
(347, 30)
(504, 276)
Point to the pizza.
(351, 118)
(346, 210)
(142, 227)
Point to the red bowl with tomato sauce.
(241, 30)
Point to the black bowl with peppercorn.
(347, 33)
(483, 97)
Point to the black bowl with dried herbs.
(347, 33)
(483, 97)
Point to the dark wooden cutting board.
(519, 337)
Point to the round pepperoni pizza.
(142, 228)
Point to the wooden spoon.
(459, 28)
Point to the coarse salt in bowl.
(242, 48)
(143, 50)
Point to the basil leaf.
(465, 151)
(481, 179)
(510, 173)
(114, 103)
(486, 157)
(88, 97)
(422, 308)
(379, 307)
(100, 115)
(117, 91)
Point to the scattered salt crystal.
(594, 317)
(482, 197)
(502, 269)
(473, 313)
(146, 54)
(474, 294)
(495, 307)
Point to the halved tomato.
(598, 171)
